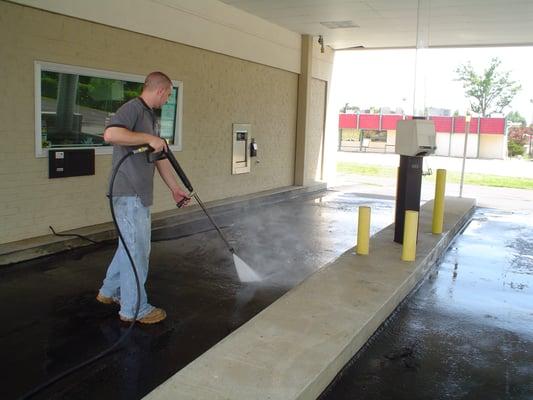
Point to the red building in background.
(377, 133)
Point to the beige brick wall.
(218, 90)
(315, 136)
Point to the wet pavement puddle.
(51, 320)
(466, 333)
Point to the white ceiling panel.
(393, 23)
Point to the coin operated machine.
(415, 138)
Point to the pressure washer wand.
(231, 249)
(168, 154)
(245, 273)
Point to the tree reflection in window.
(76, 108)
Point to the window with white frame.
(74, 104)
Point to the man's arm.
(125, 137)
(166, 171)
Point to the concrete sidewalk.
(486, 196)
(492, 197)
(295, 347)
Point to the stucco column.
(304, 100)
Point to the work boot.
(153, 317)
(106, 300)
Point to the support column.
(304, 101)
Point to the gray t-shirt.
(136, 174)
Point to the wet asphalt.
(51, 320)
(466, 333)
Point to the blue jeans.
(135, 225)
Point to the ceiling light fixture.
(339, 24)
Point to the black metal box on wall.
(65, 163)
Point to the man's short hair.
(156, 80)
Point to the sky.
(384, 78)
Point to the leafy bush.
(49, 87)
(518, 137)
(515, 149)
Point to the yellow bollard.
(410, 230)
(438, 202)
(363, 231)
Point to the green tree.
(515, 117)
(489, 92)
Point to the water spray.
(245, 273)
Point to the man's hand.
(180, 195)
(157, 143)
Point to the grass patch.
(369, 170)
(451, 176)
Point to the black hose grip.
(178, 170)
(180, 203)
(152, 157)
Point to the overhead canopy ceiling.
(393, 23)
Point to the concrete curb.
(27, 249)
(294, 348)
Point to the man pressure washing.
(135, 124)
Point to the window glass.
(75, 108)
(168, 117)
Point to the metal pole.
(230, 247)
(410, 232)
(363, 231)
(451, 138)
(478, 135)
(438, 202)
(467, 129)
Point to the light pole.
(530, 133)
(467, 129)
